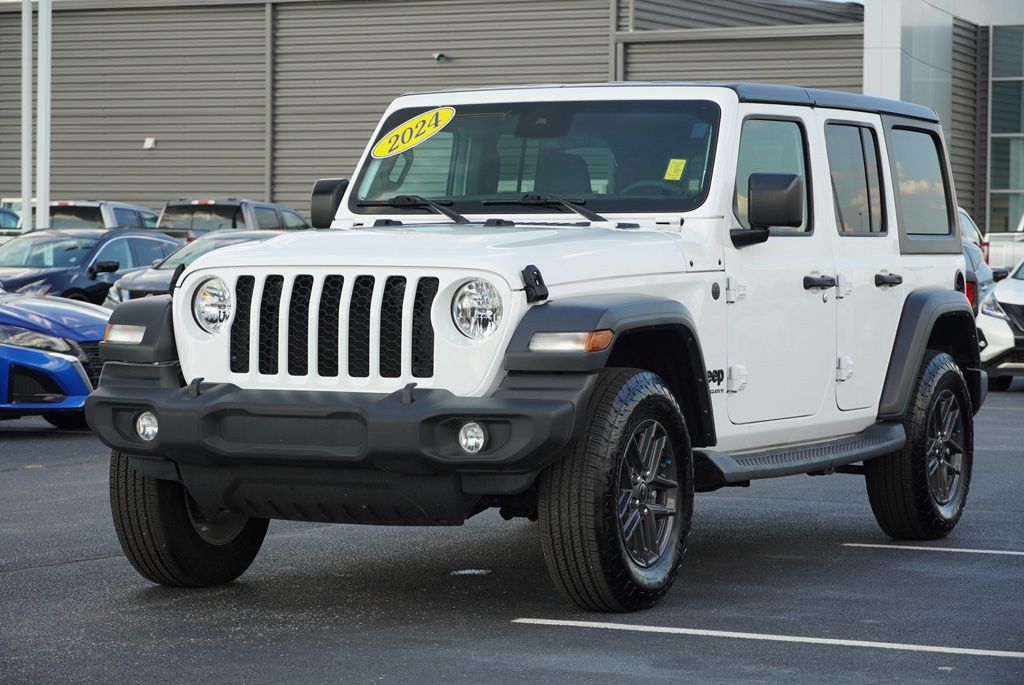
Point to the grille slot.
(327, 328)
(270, 307)
(298, 326)
(391, 327)
(240, 326)
(381, 323)
(94, 365)
(359, 327)
(1016, 314)
(423, 329)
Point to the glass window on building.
(1006, 158)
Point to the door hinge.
(844, 368)
(736, 379)
(844, 286)
(735, 288)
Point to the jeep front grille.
(353, 313)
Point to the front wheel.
(919, 492)
(170, 540)
(67, 421)
(615, 510)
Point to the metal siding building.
(258, 98)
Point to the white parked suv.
(577, 304)
(1001, 330)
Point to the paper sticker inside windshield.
(674, 171)
(411, 133)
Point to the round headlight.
(476, 309)
(211, 305)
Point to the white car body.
(799, 365)
(1001, 326)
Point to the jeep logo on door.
(716, 376)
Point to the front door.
(870, 290)
(781, 340)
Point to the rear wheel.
(70, 421)
(1000, 383)
(170, 540)
(919, 492)
(615, 510)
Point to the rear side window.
(147, 251)
(149, 219)
(853, 167)
(293, 220)
(920, 185)
(126, 217)
(267, 218)
(770, 146)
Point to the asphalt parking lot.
(353, 605)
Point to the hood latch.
(535, 289)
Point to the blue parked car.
(49, 357)
(77, 263)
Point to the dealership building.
(159, 99)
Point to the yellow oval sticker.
(412, 132)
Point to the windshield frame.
(713, 115)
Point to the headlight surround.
(990, 307)
(26, 337)
(477, 309)
(211, 305)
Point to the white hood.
(563, 254)
(1010, 290)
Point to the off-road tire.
(1000, 383)
(578, 497)
(156, 532)
(897, 483)
(69, 421)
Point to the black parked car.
(156, 280)
(79, 264)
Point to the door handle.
(823, 282)
(887, 279)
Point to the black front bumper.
(338, 456)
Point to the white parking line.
(767, 637)
(938, 549)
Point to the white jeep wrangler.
(577, 304)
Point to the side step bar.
(715, 469)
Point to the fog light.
(472, 437)
(147, 426)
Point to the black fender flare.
(154, 313)
(922, 310)
(620, 313)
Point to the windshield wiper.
(531, 199)
(416, 201)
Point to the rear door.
(869, 274)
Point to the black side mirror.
(772, 200)
(106, 267)
(323, 205)
(1000, 274)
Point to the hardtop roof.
(767, 93)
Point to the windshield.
(194, 250)
(45, 251)
(207, 217)
(634, 156)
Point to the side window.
(267, 218)
(853, 167)
(168, 247)
(919, 183)
(770, 146)
(149, 219)
(127, 217)
(147, 251)
(116, 251)
(293, 220)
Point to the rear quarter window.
(920, 184)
